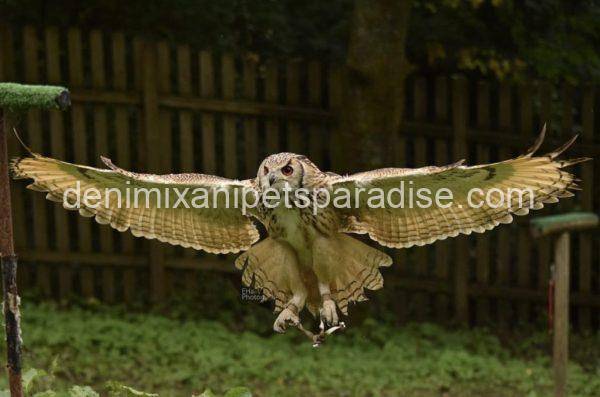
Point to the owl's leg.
(328, 311)
(290, 314)
(325, 257)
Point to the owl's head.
(280, 169)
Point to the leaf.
(239, 392)
(82, 391)
(46, 393)
(117, 389)
(54, 365)
(133, 392)
(30, 375)
(207, 393)
(4, 393)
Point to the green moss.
(571, 220)
(15, 97)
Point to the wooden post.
(229, 130)
(9, 274)
(441, 156)
(544, 247)
(482, 267)
(16, 97)
(337, 144)
(421, 257)
(186, 150)
(562, 225)
(250, 123)
(271, 95)
(6, 232)
(207, 90)
(524, 242)
(123, 150)
(153, 146)
(80, 153)
(35, 135)
(504, 233)
(100, 123)
(461, 269)
(561, 314)
(316, 132)
(58, 150)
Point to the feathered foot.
(288, 316)
(328, 312)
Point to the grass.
(174, 357)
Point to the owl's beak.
(271, 180)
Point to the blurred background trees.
(549, 39)
(379, 41)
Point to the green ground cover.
(175, 357)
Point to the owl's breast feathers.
(291, 223)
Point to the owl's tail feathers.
(351, 266)
(263, 269)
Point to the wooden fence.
(154, 106)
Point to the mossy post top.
(16, 97)
(545, 225)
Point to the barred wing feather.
(212, 228)
(541, 179)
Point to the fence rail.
(160, 107)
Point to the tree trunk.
(376, 69)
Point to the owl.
(308, 258)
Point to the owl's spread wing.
(408, 226)
(129, 200)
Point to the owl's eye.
(287, 170)
(266, 171)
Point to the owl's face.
(280, 170)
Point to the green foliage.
(113, 389)
(238, 392)
(82, 391)
(266, 27)
(29, 376)
(181, 357)
(118, 390)
(548, 39)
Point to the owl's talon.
(328, 313)
(284, 319)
